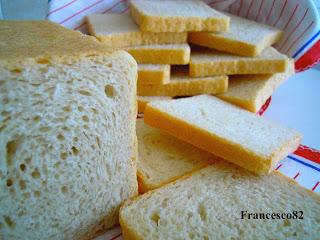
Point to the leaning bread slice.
(252, 91)
(205, 62)
(182, 85)
(153, 74)
(163, 158)
(143, 101)
(119, 30)
(68, 139)
(245, 37)
(175, 54)
(227, 131)
(222, 201)
(177, 16)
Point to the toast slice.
(175, 54)
(205, 62)
(222, 201)
(227, 131)
(252, 91)
(66, 104)
(245, 37)
(182, 85)
(177, 16)
(143, 101)
(153, 74)
(119, 30)
(163, 158)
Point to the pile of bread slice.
(75, 161)
(224, 55)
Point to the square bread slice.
(252, 91)
(175, 54)
(67, 130)
(177, 16)
(119, 30)
(222, 201)
(245, 37)
(182, 85)
(153, 74)
(163, 158)
(144, 100)
(205, 62)
(227, 131)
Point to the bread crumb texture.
(67, 140)
(208, 205)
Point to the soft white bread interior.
(67, 132)
(216, 203)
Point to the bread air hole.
(43, 61)
(202, 212)
(16, 70)
(155, 218)
(22, 167)
(9, 221)
(22, 185)
(83, 92)
(9, 182)
(60, 137)
(75, 151)
(35, 174)
(64, 189)
(85, 118)
(11, 148)
(109, 91)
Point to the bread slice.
(207, 62)
(153, 74)
(182, 85)
(245, 37)
(177, 16)
(68, 142)
(177, 54)
(252, 91)
(229, 132)
(216, 203)
(143, 101)
(119, 30)
(163, 158)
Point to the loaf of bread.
(177, 16)
(67, 138)
(163, 158)
(119, 30)
(252, 91)
(182, 85)
(245, 37)
(222, 201)
(153, 74)
(205, 62)
(144, 100)
(227, 131)
(177, 54)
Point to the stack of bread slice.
(229, 57)
(205, 164)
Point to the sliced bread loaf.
(143, 101)
(119, 30)
(252, 91)
(153, 74)
(222, 201)
(205, 62)
(245, 37)
(177, 54)
(227, 131)
(163, 158)
(67, 138)
(177, 16)
(182, 85)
